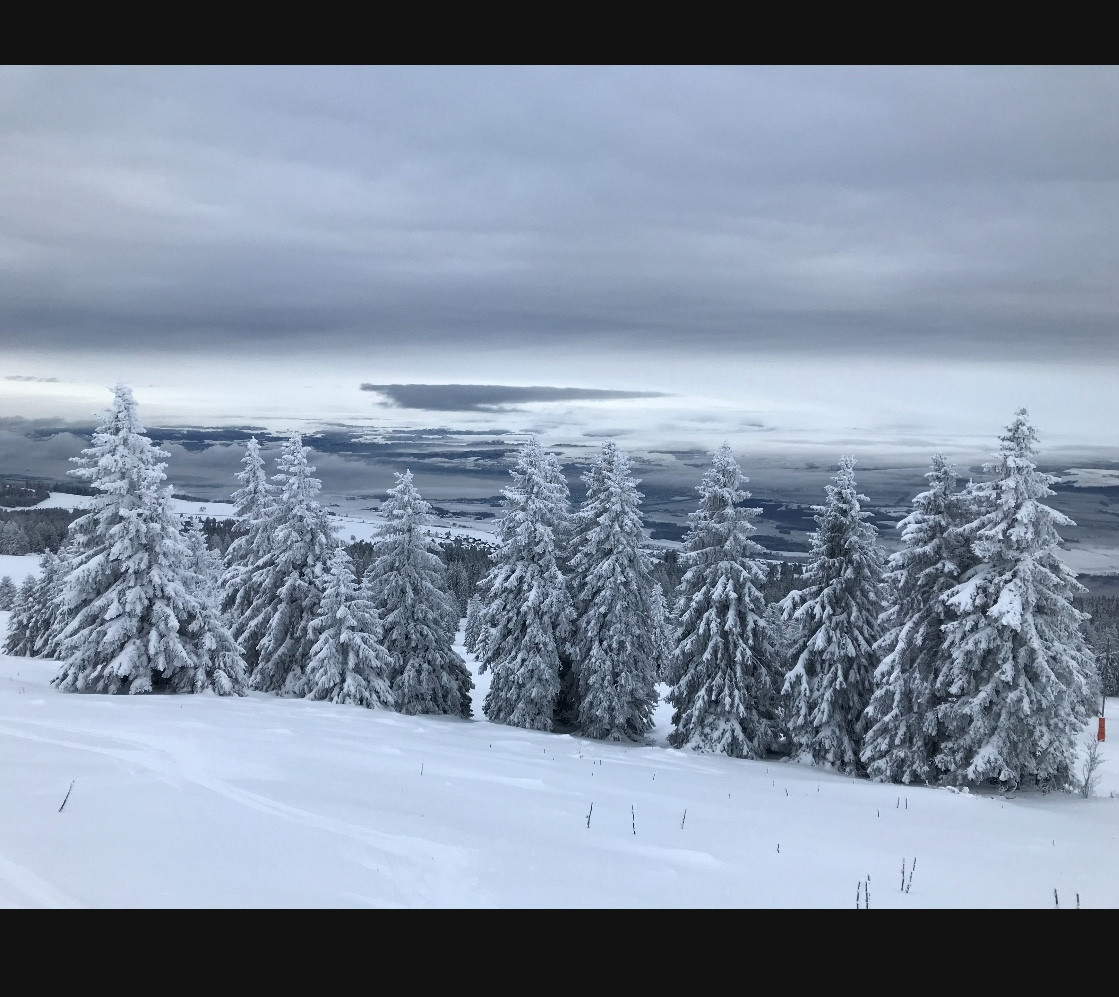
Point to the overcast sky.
(779, 253)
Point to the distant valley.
(462, 474)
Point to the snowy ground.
(260, 802)
(348, 527)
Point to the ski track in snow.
(439, 868)
(36, 891)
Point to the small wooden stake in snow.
(67, 796)
(589, 812)
(633, 817)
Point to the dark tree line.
(34, 531)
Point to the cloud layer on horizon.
(495, 398)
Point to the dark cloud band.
(489, 397)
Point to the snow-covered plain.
(261, 802)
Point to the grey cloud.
(918, 210)
(489, 397)
(30, 377)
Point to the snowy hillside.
(263, 802)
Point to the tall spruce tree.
(37, 619)
(8, 593)
(348, 663)
(835, 612)
(903, 737)
(525, 611)
(407, 583)
(290, 577)
(254, 510)
(1020, 682)
(134, 623)
(614, 651)
(664, 632)
(225, 671)
(725, 698)
(1105, 647)
(25, 623)
(474, 631)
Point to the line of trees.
(961, 659)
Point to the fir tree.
(8, 592)
(254, 509)
(35, 615)
(13, 540)
(407, 584)
(525, 612)
(1106, 650)
(836, 612)
(205, 561)
(724, 696)
(134, 623)
(473, 637)
(348, 662)
(23, 624)
(564, 521)
(663, 631)
(903, 737)
(613, 651)
(1021, 682)
(290, 577)
(52, 612)
(225, 670)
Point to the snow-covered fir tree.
(724, 698)
(13, 539)
(613, 650)
(663, 630)
(254, 510)
(407, 584)
(226, 671)
(526, 612)
(1106, 649)
(290, 577)
(348, 663)
(134, 624)
(473, 631)
(36, 617)
(206, 561)
(835, 611)
(25, 623)
(564, 521)
(1020, 682)
(8, 593)
(902, 738)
